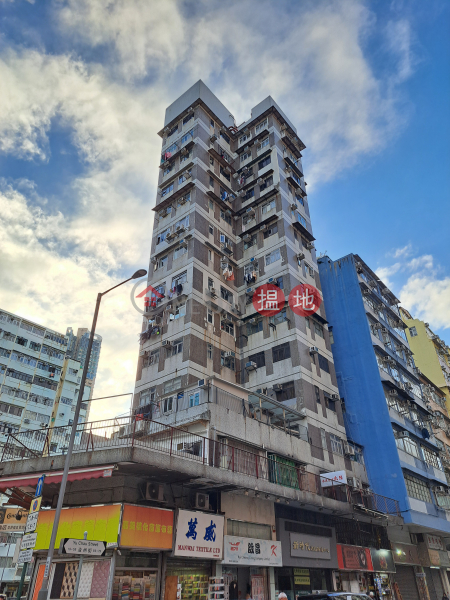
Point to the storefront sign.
(434, 542)
(405, 554)
(253, 552)
(13, 519)
(382, 561)
(144, 527)
(302, 577)
(336, 477)
(28, 541)
(354, 558)
(310, 546)
(199, 535)
(438, 558)
(100, 522)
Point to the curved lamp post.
(44, 589)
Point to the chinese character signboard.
(354, 558)
(199, 535)
(144, 527)
(434, 542)
(382, 561)
(329, 479)
(249, 551)
(310, 546)
(405, 554)
(13, 519)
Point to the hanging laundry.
(179, 289)
(167, 155)
(231, 276)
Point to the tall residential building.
(77, 346)
(431, 354)
(36, 376)
(386, 411)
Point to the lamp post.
(44, 589)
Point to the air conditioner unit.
(252, 320)
(393, 393)
(293, 206)
(154, 491)
(182, 200)
(241, 193)
(302, 412)
(384, 330)
(334, 396)
(314, 350)
(202, 501)
(439, 488)
(250, 211)
(235, 175)
(349, 450)
(45, 424)
(270, 280)
(213, 138)
(228, 354)
(250, 366)
(213, 291)
(310, 245)
(263, 228)
(402, 434)
(246, 237)
(167, 343)
(61, 414)
(240, 323)
(260, 180)
(26, 421)
(201, 383)
(366, 292)
(300, 256)
(355, 482)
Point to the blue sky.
(84, 88)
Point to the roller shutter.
(434, 583)
(406, 579)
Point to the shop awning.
(55, 477)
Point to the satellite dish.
(425, 433)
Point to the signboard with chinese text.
(310, 546)
(249, 551)
(354, 558)
(382, 561)
(144, 527)
(434, 542)
(438, 558)
(405, 554)
(336, 477)
(13, 519)
(199, 535)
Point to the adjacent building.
(39, 384)
(387, 412)
(77, 346)
(431, 353)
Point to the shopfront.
(309, 558)
(407, 562)
(364, 570)
(138, 532)
(246, 566)
(189, 573)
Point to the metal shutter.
(406, 579)
(434, 583)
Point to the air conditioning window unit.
(228, 354)
(246, 237)
(349, 450)
(366, 292)
(154, 491)
(263, 228)
(334, 396)
(260, 180)
(314, 350)
(293, 206)
(202, 501)
(310, 245)
(250, 366)
(167, 343)
(403, 434)
(439, 488)
(26, 421)
(355, 482)
(302, 412)
(250, 211)
(300, 256)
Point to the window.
(184, 176)
(412, 331)
(210, 316)
(267, 183)
(287, 392)
(317, 393)
(177, 347)
(278, 318)
(318, 329)
(211, 205)
(249, 194)
(225, 137)
(323, 363)
(162, 262)
(417, 488)
(224, 173)
(194, 399)
(299, 199)
(272, 257)
(264, 143)
(162, 236)
(259, 358)
(211, 184)
(251, 242)
(211, 123)
(167, 190)
(269, 206)
(225, 217)
(300, 219)
(245, 156)
(254, 327)
(226, 295)
(169, 167)
(211, 230)
(180, 311)
(209, 351)
(147, 396)
(264, 162)
(308, 323)
(210, 283)
(227, 361)
(431, 458)
(336, 444)
(271, 231)
(35, 346)
(188, 118)
(179, 251)
(187, 136)
(210, 256)
(242, 139)
(167, 405)
(408, 445)
(172, 384)
(323, 437)
(281, 352)
(260, 126)
(21, 341)
(309, 270)
(249, 530)
(172, 131)
(227, 327)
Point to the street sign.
(25, 556)
(35, 505)
(28, 541)
(39, 487)
(86, 547)
(31, 522)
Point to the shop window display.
(138, 585)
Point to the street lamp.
(44, 589)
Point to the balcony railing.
(174, 441)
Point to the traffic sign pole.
(80, 566)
